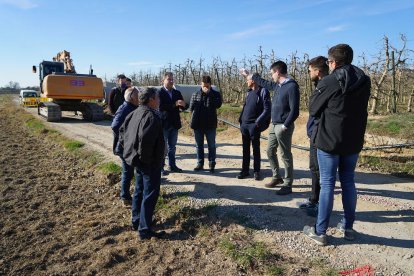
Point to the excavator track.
(92, 112)
(50, 111)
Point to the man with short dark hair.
(340, 104)
(254, 118)
(285, 110)
(143, 140)
(171, 101)
(317, 70)
(128, 82)
(116, 95)
(204, 104)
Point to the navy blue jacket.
(258, 105)
(170, 113)
(117, 122)
(285, 102)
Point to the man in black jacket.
(254, 118)
(204, 104)
(340, 104)
(285, 110)
(143, 141)
(317, 70)
(116, 95)
(171, 101)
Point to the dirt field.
(60, 216)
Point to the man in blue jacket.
(340, 104)
(171, 101)
(285, 110)
(130, 104)
(254, 118)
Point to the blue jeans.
(329, 164)
(170, 137)
(147, 190)
(211, 143)
(127, 175)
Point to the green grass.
(274, 270)
(384, 164)
(396, 125)
(109, 167)
(72, 145)
(249, 255)
(35, 125)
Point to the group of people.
(147, 121)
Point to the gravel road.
(385, 211)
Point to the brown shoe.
(274, 183)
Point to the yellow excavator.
(62, 89)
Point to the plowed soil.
(61, 216)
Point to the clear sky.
(129, 36)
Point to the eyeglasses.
(329, 61)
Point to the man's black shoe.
(152, 234)
(212, 168)
(199, 167)
(164, 172)
(243, 175)
(274, 183)
(134, 227)
(257, 176)
(285, 190)
(176, 169)
(127, 202)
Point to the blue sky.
(129, 36)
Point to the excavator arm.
(64, 57)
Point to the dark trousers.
(250, 135)
(211, 144)
(127, 175)
(314, 169)
(147, 190)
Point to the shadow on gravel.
(252, 208)
(368, 239)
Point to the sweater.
(285, 102)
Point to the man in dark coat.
(116, 95)
(130, 104)
(171, 101)
(203, 105)
(317, 70)
(340, 104)
(254, 118)
(143, 141)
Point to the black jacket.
(204, 107)
(142, 138)
(116, 99)
(170, 113)
(340, 103)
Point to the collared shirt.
(285, 81)
(169, 92)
